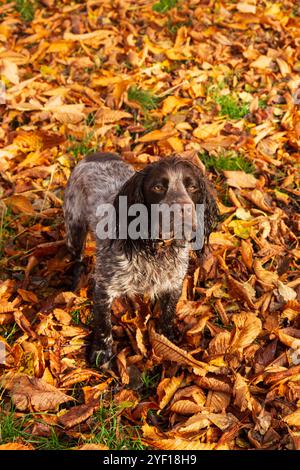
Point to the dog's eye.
(158, 188)
(192, 189)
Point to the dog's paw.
(100, 353)
(100, 357)
(170, 332)
(78, 270)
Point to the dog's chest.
(159, 274)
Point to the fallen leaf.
(240, 179)
(30, 393)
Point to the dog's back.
(96, 180)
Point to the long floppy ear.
(133, 189)
(211, 212)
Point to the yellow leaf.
(158, 135)
(176, 144)
(166, 390)
(105, 116)
(158, 440)
(16, 446)
(293, 419)
(60, 46)
(172, 103)
(203, 131)
(219, 238)
(10, 71)
(241, 228)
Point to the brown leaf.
(240, 179)
(290, 337)
(78, 375)
(93, 392)
(30, 393)
(140, 342)
(214, 383)
(257, 197)
(168, 351)
(122, 367)
(28, 296)
(268, 277)
(217, 401)
(194, 424)
(158, 441)
(24, 324)
(241, 290)
(20, 204)
(241, 393)
(247, 327)
(219, 344)
(78, 414)
(186, 407)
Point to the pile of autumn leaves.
(233, 380)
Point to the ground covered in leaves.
(218, 81)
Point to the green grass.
(164, 5)
(263, 103)
(18, 429)
(75, 314)
(173, 27)
(6, 231)
(230, 160)
(82, 147)
(146, 99)
(150, 381)
(8, 332)
(26, 8)
(231, 106)
(108, 429)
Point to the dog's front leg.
(100, 349)
(168, 302)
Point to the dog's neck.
(150, 249)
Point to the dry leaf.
(166, 390)
(78, 414)
(247, 327)
(30, 393)
(168, 351)
(240, 179)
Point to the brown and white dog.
(134, 265)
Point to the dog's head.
(177, 198)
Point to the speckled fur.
(158, 272)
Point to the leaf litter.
(219, 83)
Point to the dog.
(138, 264)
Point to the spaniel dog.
(137, 263)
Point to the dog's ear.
(133, 189)
(211, 212)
